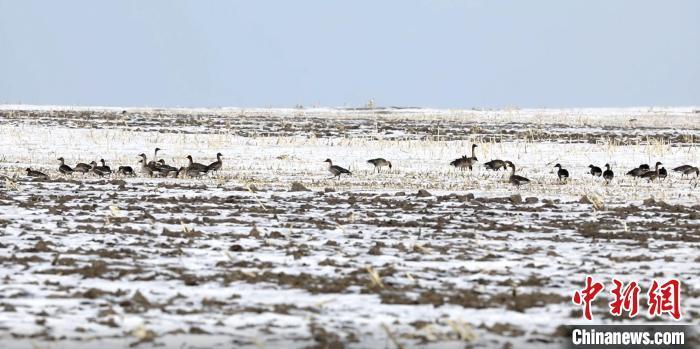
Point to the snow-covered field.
(238, 259)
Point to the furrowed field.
(270, 252)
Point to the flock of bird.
(194, 170)
(467, 162)
(151, 168)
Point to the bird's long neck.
(103, 162)
(62, 162)
(657, 168)
(155, 154)
(218, 157)
(190, 159)
(473, 150)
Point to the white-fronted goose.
(608, 174)
(379, 163)
(515, 179)
(465, 162)
(104, 168)
(652, 175)
(336, 170)
(195, 166)
(216, 165)
(64, 169)
(36, 174)
(82, 167)
(95, 169)
(595, 171)
(126, 171)
(562, 174)
(495, 165)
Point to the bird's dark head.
(158, 149)
(389, 164)
(142, 155)
(607, 165)
(508, 163)
(219, 154)
(328, 161)
(60, 159)
(697, 172)
(28, 169)
(658, 163)
(93, 163)
(161, 161)
(557, 165)
(590, 166)
(474, 146)
(189, 157)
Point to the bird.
(164, 169)
(96, 170)
(336, 170)
(82, 167)
(608, 174)
(145, 169)
(595, 171)
(515, 179)
(379, 163)
(562, 173)
(464, 161)
(690, 170)
(104, 168)
(682, 168)
(663, 173)
(495, 165)
(216, 165)
(125, 170)
(652, 175)
(184, 172)
(64, 169)
(195, 166)
(153, 163)
(639, 171)
(36, 174)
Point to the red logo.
(663, 299)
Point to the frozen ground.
(240, 260)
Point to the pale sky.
(432, 53)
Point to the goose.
(64, 169)
(196, 166)
(96, 170)
(82, 167)
(36, 174)
(216, 165)
(595, 171)
(164, 169)
(663, 173)
(690, 170)
(153, 164)
(336, 170)
(464, 161)
(562, 173)
(639, 171)
(185, 172)
(104, 168)
(652, 175)
(145, 169)
(515, 179)
(495, 165)
(379, 163)
(682, 168)
(125, 170)
(608, 174)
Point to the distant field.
(239, 259)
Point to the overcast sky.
(431, 53)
